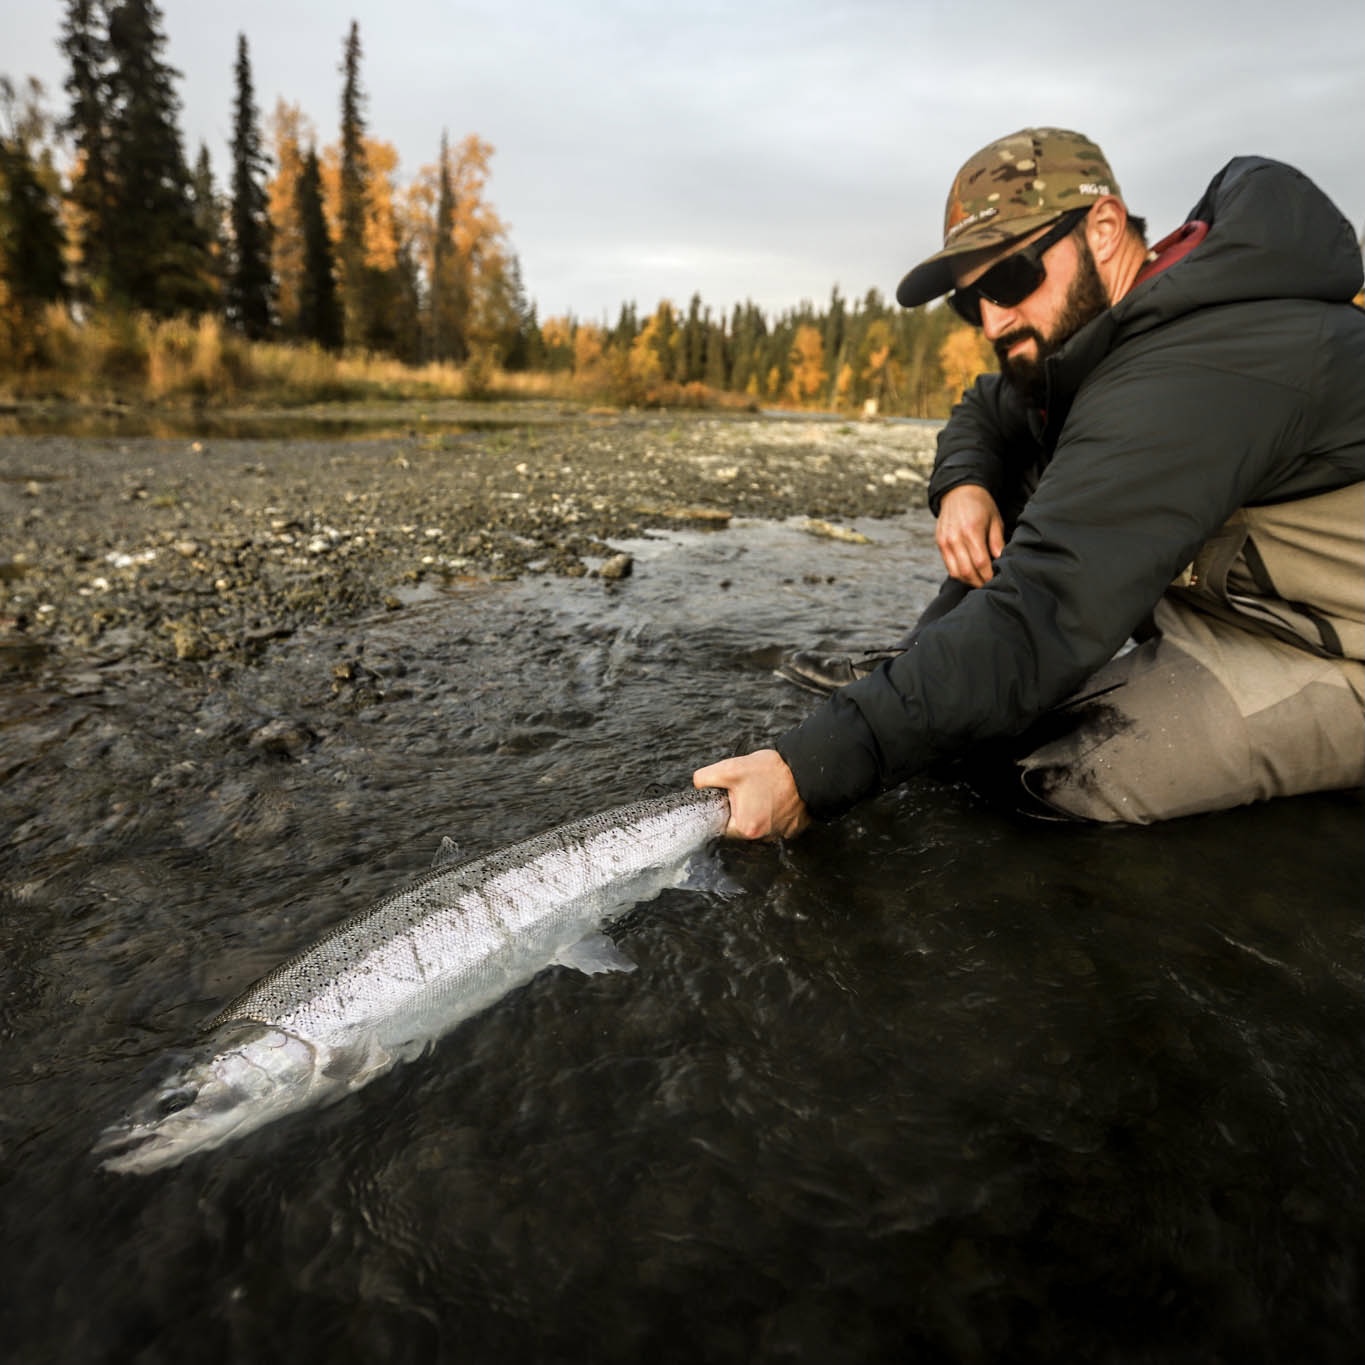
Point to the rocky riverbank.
(205, 547)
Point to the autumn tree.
(963, 356)
(807, 360)
(557, 337)
(475, 300)
(250, 289)
(290, 133)
(651, 354)
(386, 276)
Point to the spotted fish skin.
(386, 983)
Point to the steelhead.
(386, 983)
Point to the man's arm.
(1143, 475)
(986, 454)
(970, 533)
(986, 442)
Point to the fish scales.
(386, 982)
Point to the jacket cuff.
(833, 758)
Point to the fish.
(385, 984)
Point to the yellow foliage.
(964, 355)
(645, 365)
(808, 364)
(290, 130)
(480, 258)
(382, 235)
(588, 344)
(557, 332)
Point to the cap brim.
(930, 279)
(933, 278)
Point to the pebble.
(617, 567)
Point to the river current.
(931, 1083)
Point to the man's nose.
(995, 320)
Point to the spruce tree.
(158, 260)
(208, 216)
(249, 295)
(446, 303)
(692, 344)
(31, 236)
(715, 355)
(319, 308)
(84, 42)
(351, 251)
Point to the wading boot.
(826, 673)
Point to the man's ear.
(1105, 226)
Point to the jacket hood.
(1273, 234)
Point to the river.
(931, 1084)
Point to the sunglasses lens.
(966, 303)
(1012, 280)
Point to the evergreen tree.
(525, 343)
(319, 308)
(84, 43)
(31, 236)
(158, 260)
(627, 328)
(249, 286)
(716, 361)
(351, 252)
(692, 344)
(208, 215)
(530, 353)
(448, 304)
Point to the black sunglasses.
(1012, 280)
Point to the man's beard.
(1085, 299)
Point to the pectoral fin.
(595, 953)
(448, 852)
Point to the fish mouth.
(252, 1077)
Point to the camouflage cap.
(1010, 188)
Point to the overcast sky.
(769, 151)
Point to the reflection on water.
(934, 1085)
(336, 421)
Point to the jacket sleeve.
(985, 439)
(1159, 448)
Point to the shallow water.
(933, 1085)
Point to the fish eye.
(173, 1101)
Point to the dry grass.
(123, 357)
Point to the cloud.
(771, 150)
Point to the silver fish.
(386, 983)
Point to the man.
(1193, 419)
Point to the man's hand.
(764, 802)
(970, 533)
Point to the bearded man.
(1153, 516)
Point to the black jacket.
(1234, 378)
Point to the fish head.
(247, 1076)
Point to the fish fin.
(595, 953)
(448, 852)
(705, 873)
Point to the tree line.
(324, 244)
